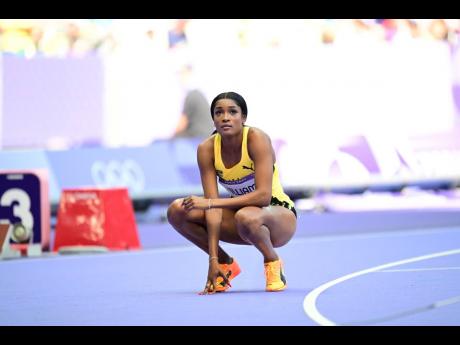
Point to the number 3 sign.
(25, 209)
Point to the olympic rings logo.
(127, 173)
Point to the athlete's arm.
(205, 156)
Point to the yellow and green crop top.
(240, 179)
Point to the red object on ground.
(96, 217)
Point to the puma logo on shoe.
(229, 273)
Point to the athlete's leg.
(267, 228)
(192, 225)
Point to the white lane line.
(309, 303)
(421, 269)
(438, 304)
(445, 302)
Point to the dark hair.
(234, 97)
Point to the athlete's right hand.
(213, 272)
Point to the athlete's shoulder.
(207, 145)
(257, 134)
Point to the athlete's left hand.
(195, 202)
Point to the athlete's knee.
(176, 212)
(247, 221)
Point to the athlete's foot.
(231, 271)
(274, 276)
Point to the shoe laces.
(272, 271)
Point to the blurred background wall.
(319, 88)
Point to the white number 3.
(22, 209)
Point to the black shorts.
(276, 202)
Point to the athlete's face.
(228, 117)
